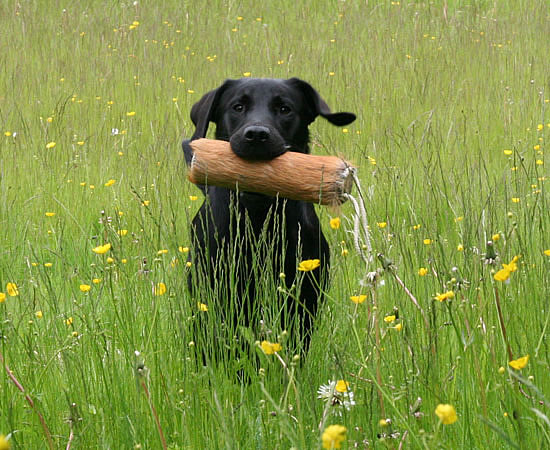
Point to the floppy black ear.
(202, 113)
(318, 106)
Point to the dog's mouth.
(258, 143)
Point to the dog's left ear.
(318, 106)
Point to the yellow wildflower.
(69, 321)
(508, 152)
(96, 280)
(39, 314)
(422, 271)
(110, 260)
(4, 443)
(50, 214)
(427, 241)
(160, 289)
(202, 306)
(357, 299)
(131, 113)
(519, 363)
(399, 327)
(460, 247)
(270, 347)
(110, 182)
(13, 290)
(504, 273)
(85, 287)
(341, 386)
(389, 319)
(446, 413)
(2, 297)
(193, 198)
(445, 296)
(382, 224)
(335, 223)
(495, 237)
(100, 250)
(183, 249)
(333, 436)
(122, 232)
(50, 145)
(309, 265)
(547, 252)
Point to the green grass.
(441, 89)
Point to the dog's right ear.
(202, 113)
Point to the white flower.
(114, 131)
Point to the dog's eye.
(284, 109)
(238, 107)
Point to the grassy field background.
(452, 101)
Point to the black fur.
(261, 118)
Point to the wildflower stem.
(378, 355)
(30, 402)
(71, 437)
(154, 412)
(502, 326)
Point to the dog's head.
(262, 118)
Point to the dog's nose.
(256, 134)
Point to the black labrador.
(238, 238)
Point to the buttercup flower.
(337, 393)
(50, 214)
(445, 296)
(446, 413)
(519, 363)
(85, 287)
(358, 299)
(309, 265)
(2, 297)
(422, 271)
(4, 443)
(50, 145)
(110, 182)
(389, 319)
(202, 306)
(341, 386)
(333, 436)
(504, 273)
(101, 249)
(335, 223)
(547, 252)
(12, 289)
(269, 348)
(159, 289)
(427, 241)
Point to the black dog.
(236, 233)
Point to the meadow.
(447, 347)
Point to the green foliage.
(452, 103)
